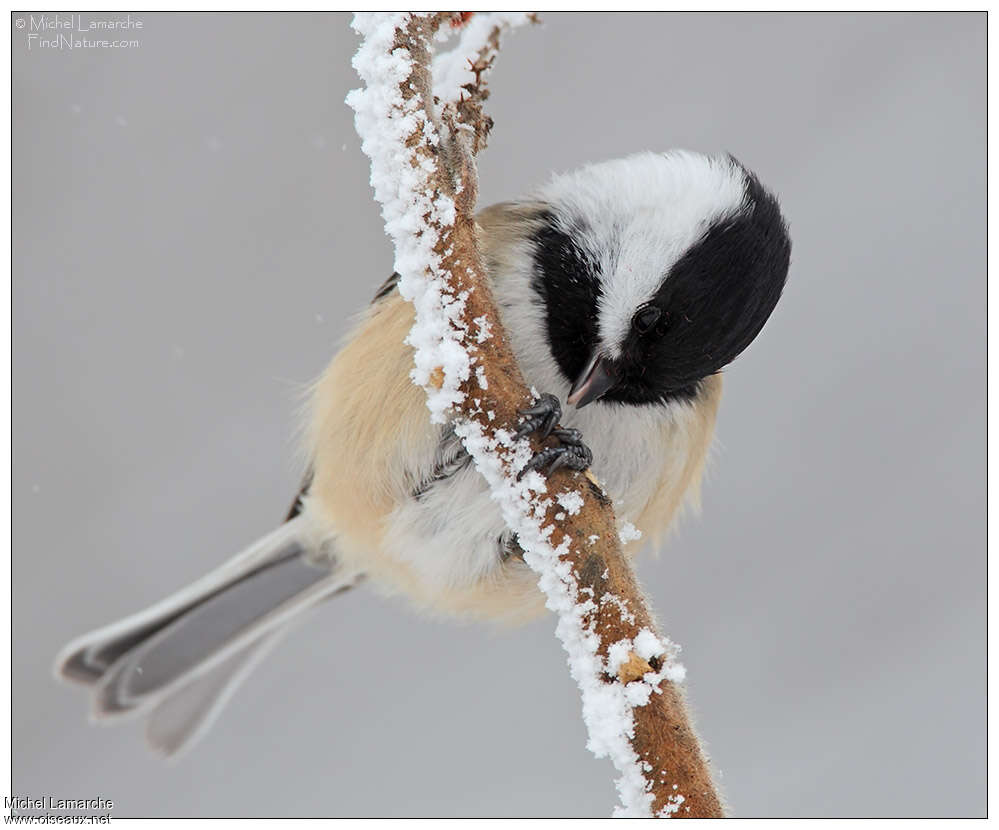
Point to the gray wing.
(386, 288)
(450, 458)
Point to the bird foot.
(570, 452)
(540, 418)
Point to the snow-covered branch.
(421, 122)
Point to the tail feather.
(211, 631)
(182, 717)
(184, 657)
(87, 658)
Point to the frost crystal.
(451, 69)
(485, 330)
(385, 121)
(628, 533)
(571, 501)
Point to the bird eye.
(646, 318)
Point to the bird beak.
(595, 380)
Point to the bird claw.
(571, 452)
(540, 418)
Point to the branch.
(422, 138)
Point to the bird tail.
(182, 659)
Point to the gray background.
(192, 229)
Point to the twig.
(422, 139)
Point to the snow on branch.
(421, 122)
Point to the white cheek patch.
(638, 273)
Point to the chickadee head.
(656, 271)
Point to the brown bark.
(663, 735)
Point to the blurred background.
(192, 230)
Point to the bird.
(625, 288)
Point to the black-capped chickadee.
(625, 287)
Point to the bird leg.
(570, 452)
